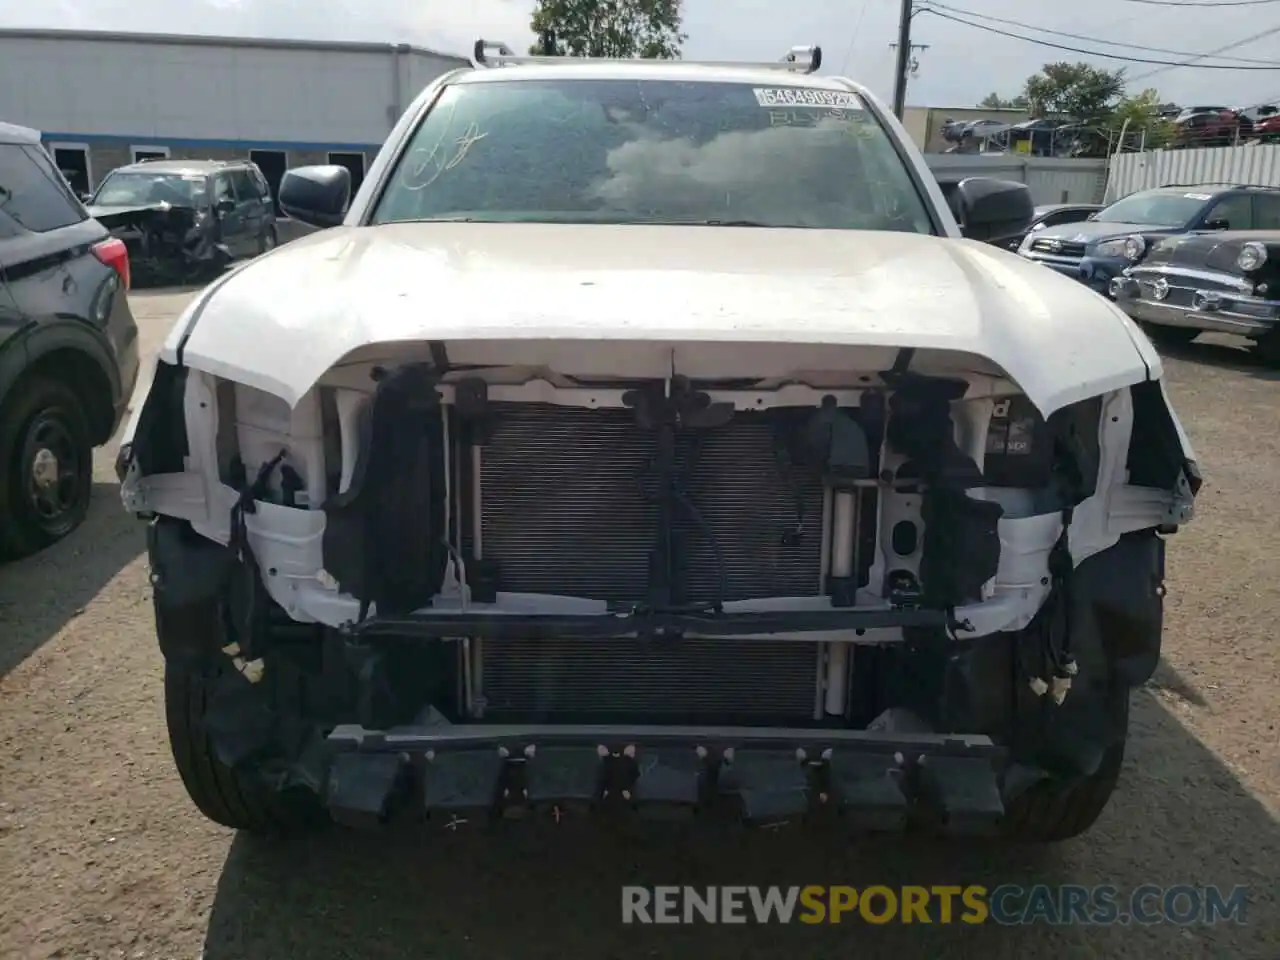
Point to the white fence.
(1254, 163)
(1050, 179)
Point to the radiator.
(564, 507)
(565, 512)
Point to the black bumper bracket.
(964, 791)
(868, 788)
(772, 786)
(463, 786)
(563, 779)
(361, 787)
(671, 784)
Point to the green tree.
(608, 28)
(1085, 94)
(993, 101)
(1146, 125)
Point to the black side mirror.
(225, 205)
(992, 210)
(1218, 224)
(317, 196)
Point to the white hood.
(280, 322)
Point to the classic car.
(1220, 282)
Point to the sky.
(959, 68)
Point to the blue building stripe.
(245, 145)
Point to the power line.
(862, 12)
(1223, 49)
(1204, 3)
(1116, 56)
(932, 5)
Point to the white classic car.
(651, 437)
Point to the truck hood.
(280, 322)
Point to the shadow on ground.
(1224, 352)
(534, 891)
(40, 593)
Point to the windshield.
(627, 151)
(1157, 209)
(138, 189)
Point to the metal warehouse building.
(102, 100)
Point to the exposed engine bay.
(512, 547)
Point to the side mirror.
(993, 210)
(85, 197)
(317, 196)
(225, 205)
(1218, 224)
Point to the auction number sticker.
(802, 97)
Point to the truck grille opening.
(565, 509)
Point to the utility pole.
(903, 60)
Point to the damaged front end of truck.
(485, 582)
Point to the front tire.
(1059, 809)
(46, 466)
(234, 798)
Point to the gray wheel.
(46, 466)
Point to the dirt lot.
(101, 855)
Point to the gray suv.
(184, 220)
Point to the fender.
(36, 340)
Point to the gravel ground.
(102, 855)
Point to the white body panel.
(668, 293)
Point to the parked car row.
(1180, 260)
(1223, 126)
(1196, 126)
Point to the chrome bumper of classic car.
(1181, 305)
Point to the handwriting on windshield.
(424, 166)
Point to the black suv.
(68, 346)
(184, 219)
